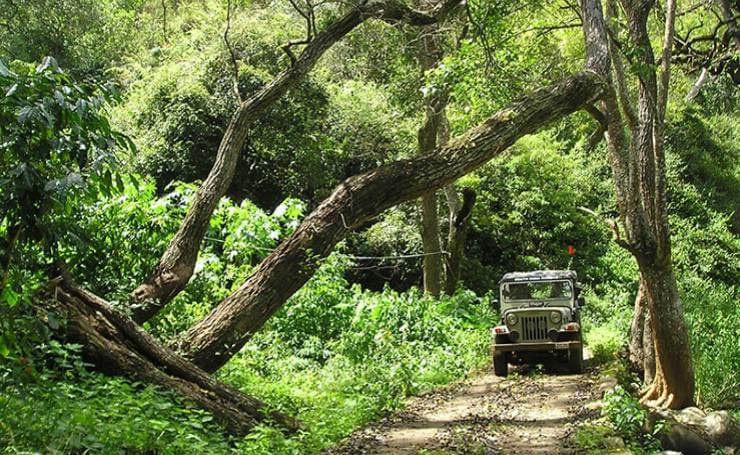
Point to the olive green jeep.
(540, 317)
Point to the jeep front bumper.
(541, 346)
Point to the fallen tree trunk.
(216, 338)
(118, 346)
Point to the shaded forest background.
(360, 336)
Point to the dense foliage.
(102, 181)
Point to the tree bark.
(178, 261)
(432, 261)
(459, 222)
(673, 384)
(637, 330)
(215, 339)
(429, 55)
(117, 346)
(641, 350)
(648, 361)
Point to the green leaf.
(119, 183)
(46, 63)
(11, 91)
(24, 114)
(52, 320)
(59, 98)
(107, 179)
(10, 297)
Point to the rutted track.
(530, 412)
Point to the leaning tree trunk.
(216, 338)
(116, 345)
(178, 262)
(459, 222)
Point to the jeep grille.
(534, 328)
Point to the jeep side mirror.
(496, 305)
(581, 301)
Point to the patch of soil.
(533, 411)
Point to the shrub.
(712, 314)
(94, 413)
(629, 418)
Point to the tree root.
(116, 345)
(658, 395)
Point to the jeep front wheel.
(575, 359)
(501, 364)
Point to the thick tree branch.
(620, 81)
(601, 123)
(215, 339)
(661, 202)
(232, 53)
(178, 262)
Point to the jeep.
(540, 317)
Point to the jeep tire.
(501, 364)
(575, 359)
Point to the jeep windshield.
(549, 292)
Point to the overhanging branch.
(212, 341)
(178, 261)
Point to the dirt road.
(530, 412)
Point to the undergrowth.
(335, 356)
(383, 347)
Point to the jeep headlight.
(511, 319)
(556, 317)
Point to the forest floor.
(533, 411)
